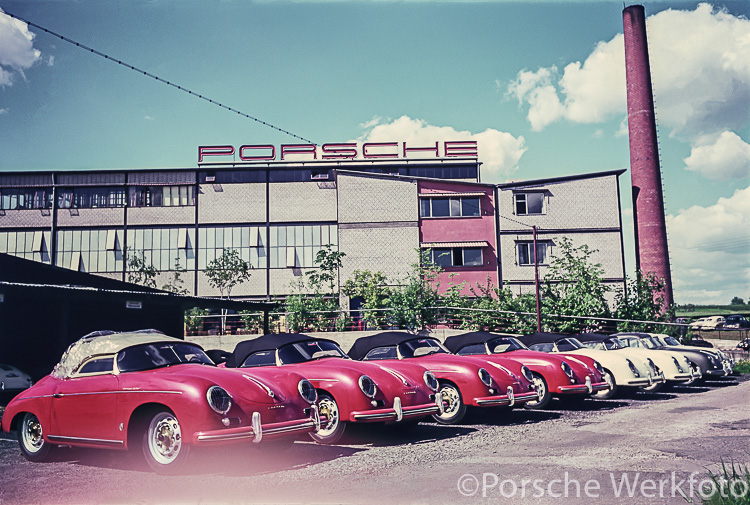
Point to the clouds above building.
(17, 52)
(700, 64)
(499, 151)
(712, 257)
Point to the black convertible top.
(363, 345)
(541, 338)
(458, 342)
(266, 343)
(592, 337)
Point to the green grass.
(731, 486)
(696, 311)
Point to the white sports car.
(12, 379)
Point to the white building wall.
(302, 202)
(232, 203)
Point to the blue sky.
(540, 85)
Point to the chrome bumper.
(588, 387)
(257, 431)
(397, 413)
(508, 399)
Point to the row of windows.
(161, 196)
(449, 207)
(25, 198)
(457, 257)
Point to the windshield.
(615, 343)
(568, 344)
(595, 345)
(671, 341)
(309, 351)
(158, 355)
(420, 347)
(649, 343)
(505, 344)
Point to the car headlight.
(307, 391)
(431, 380)
(677, 364)
(599, 368)
(633, 368)
(485, 377)
(527, 373)
(566, 368)
(654, 369)
(368, 387)
(219, 400)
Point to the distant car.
(744, 345)
(708, 323)
(157, 394)
(348, 391)
(736, 321)
(13, 379)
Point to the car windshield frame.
(408, 349)
(299, 352)
(154, 355)
(515, 345)
(667, 340)
(574, 344)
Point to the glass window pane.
(334, 235)
(424, 207)
(281, 232)
(290, 236)
(440, 207)
(470, 207)
(520, 204)
(541, 253)
(523, 254)
(535, 203)
(307, 235)
(455, 206)
(473, 257)
(442, 257)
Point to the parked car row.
(162, 396)
(734, 321)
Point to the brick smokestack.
(651, 251)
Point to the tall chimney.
(651, 251)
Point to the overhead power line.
(157, 78)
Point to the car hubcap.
(166, 439)
(541, 390)
(329, 416)
(451, 400)
(32, 433)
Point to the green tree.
(225, 273)
(642, 299)
(176, 283)
(373, 288)
(194, 319)
(141, 271)
(573, 286)
(737, 301)
(415, 302)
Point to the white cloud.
(722, 157)
(498, 151)
(709, 248)
(17, 51)
(700, 63)
(3, 111)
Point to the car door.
(84, 406)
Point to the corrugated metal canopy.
(425, 245)
(445, 195)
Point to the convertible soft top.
(104, 342)
(363, 345)
(592, 337)
(541, 338)
(267, 342)
(457, 342)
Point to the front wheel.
(31, 439)
(163, 445)
(331, 426)
(543, 393)
(455, 408)
(609, 393)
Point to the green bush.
(742, 367)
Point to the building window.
(529, 203)
(295, 246)
(163, 248)
(450, 207)
(250, 241)
(93, 250)
(457, 257)
(25, 198)
(28, 244)
(91, 198)
(526, 253)
(161, 196)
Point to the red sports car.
(157, 393)
(348, 391)
(567, 376)
(463, 380)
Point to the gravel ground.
(640, 450)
